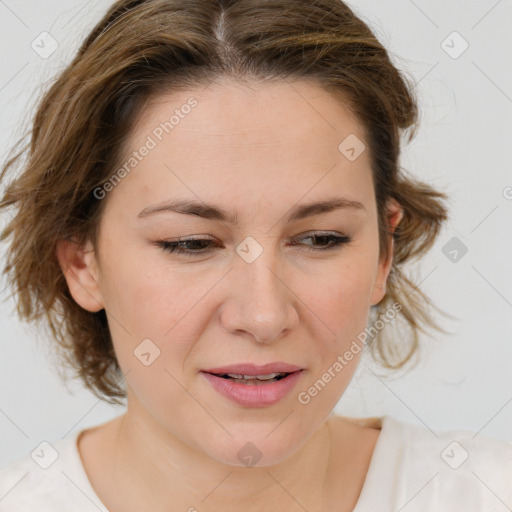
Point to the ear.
(79, 266)
(395, 215)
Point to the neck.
(169, 471)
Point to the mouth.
(254, 386)
(253, 370)
(253, 380)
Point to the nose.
(260, 303)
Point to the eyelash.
(176, 247)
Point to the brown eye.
(190, 247)
(334, 241)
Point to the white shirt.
(411, 470)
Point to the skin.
(256, 150)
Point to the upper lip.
(252, 369)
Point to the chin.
(255, 447)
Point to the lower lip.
(254, 395)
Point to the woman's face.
(259, 290)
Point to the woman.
(211, 217)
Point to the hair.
(142, 49)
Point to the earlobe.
(79, 266)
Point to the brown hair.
(143, 48)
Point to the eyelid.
(308, 234)
(337, 241)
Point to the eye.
(334, 240)
(183, 246)
(200, 246)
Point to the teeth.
(259, 377)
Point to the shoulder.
(444, 470)
(30, 482)
(453, 467)
(47, 479)
(454, 448)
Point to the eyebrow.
(216, 213)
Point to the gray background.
(463, 147)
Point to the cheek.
(148, 298)
(341, 307)
(341, 296)
(152, 334)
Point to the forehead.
(266, 142)
(301, 115)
